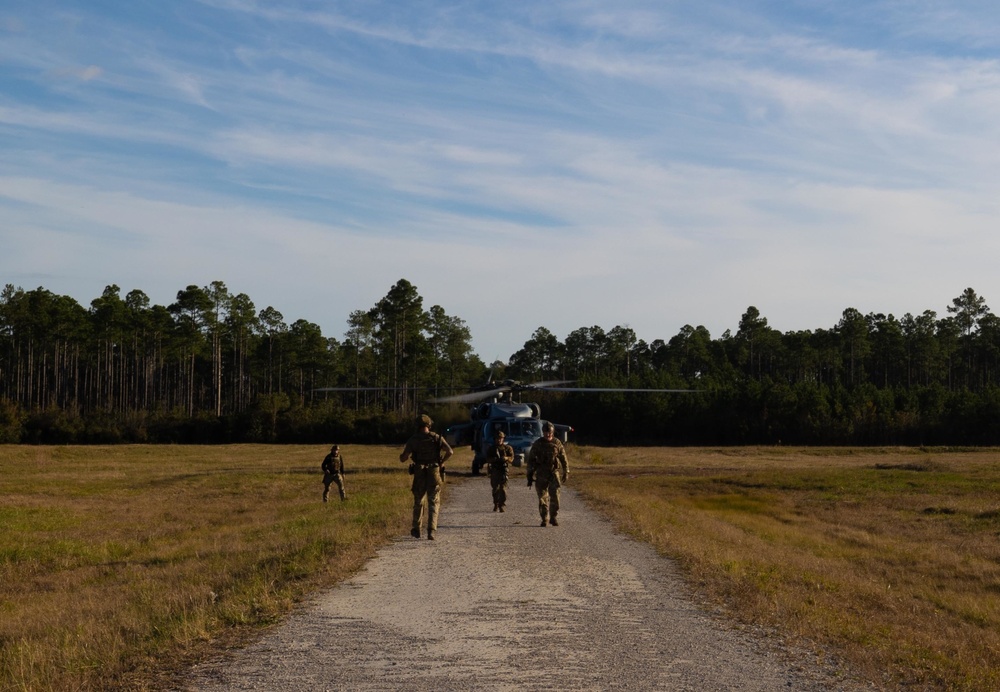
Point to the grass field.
(121, 565)
(888, 559)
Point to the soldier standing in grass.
(333, 472)
(429, 451)
(548, 469)
(498, 457)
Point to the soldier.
(333, 472)
(429, 451)
(498, 457)
(548, 468)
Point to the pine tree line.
(870, 380)
(210, 367)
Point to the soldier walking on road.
(333, 472)
(548, 469)
(498, 457)
(429, 452)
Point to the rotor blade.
(613, 389)
(367, 389)
(547, 384)
(351, 389)
(470, 398)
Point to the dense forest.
(211, 367)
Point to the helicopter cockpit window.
(531, 428)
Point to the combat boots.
(553, 521)
(430, 535)
(415, 532)
(495, 506)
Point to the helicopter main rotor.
(493, 391)
(510, 387)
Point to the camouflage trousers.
(328, 480)
(426, 491)
(498, 482)
(547, 488)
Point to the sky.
(559, 164)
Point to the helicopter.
(494, 409)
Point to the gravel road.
(499, 603)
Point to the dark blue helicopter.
(494, 409)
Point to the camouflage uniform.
(498, 457)
(429, 452)
(333, 472)
(548, 468)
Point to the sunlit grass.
(888, 559)
(117, 564)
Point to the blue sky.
(564, 164)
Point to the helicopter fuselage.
(520, 423)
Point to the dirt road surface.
(499, 603)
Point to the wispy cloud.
(648, 163)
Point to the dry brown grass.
(120, 564)
(887, 558)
